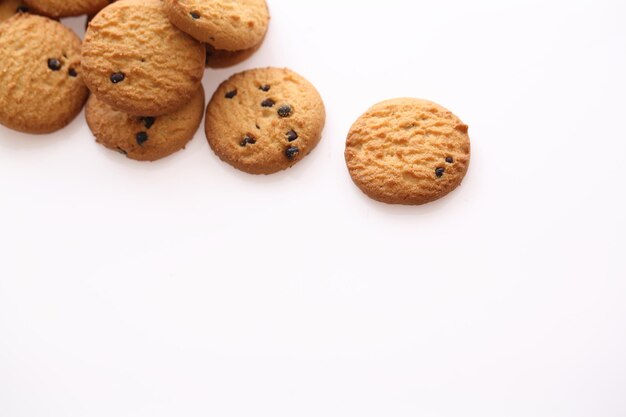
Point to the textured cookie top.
(232, 25)
(264, 120)
(408, 151)
(9, 7)
(41, 87)
(64, 8)
(138, 62)
(144, 138)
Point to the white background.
(186, 288)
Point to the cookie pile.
(139, 70)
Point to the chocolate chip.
(292, 135)
(148, 121)
(54, 64)
(247, 140)
(265, 88)
(285, 111)
(195, 15)
(141, 137)
(72, 72)
(22, 9)
(292, 152)
(439, 172)
(450, 160)
(268, 103)
(117, 77)
(231, 94)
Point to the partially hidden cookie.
(262, 121)
(41, 86)
(64, 8)
(144, 138)
(10, 7)
(220, 58)
(136, 61)
(231, 25)
(408, 151)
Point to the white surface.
(186, 288)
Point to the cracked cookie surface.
(136, 61)
(408, 151)
(231, 25)
(41, 85)
(265, 120)
(144, 138)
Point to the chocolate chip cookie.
(408, 151)
(144, 138)
(231, 25)
(64, 8)
(41, 86)
(136, 61)
(264, 120)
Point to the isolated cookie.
(220, 58)
(231, 25)
(41, 87)
(264, 120)
(65, 8)
(10, 7)
(144, 138)
(408, 151)
(136, 61)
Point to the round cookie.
(220, 58)
(262, 121)
(41, 86)
(10, 7)
(144, 138)
(231, 25)
(136, 61)
(408, 151)
(65, 8)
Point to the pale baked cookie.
(136, 61)
(408, 151)
(231, 25)
(264, 120)
(64, 8)
(41, 86)
(144, 138)
(10, 7)
(219, 58)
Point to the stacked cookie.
(143, 62)
(145, 77)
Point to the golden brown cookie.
(136, 61)
(64, 8)
(264, 120)
(10, 7)
(408, 151)
(219, 58)
(231, 25)
(144, 138)
(41, 86)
